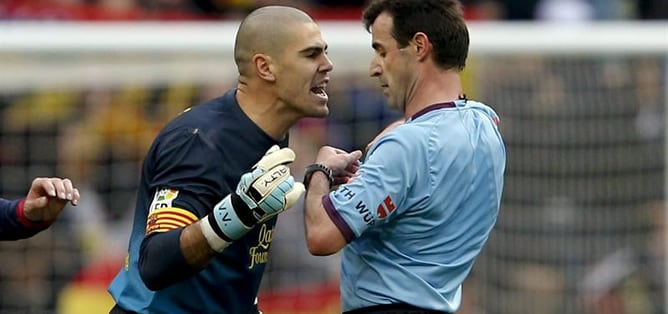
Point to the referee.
(414, 215)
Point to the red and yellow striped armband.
(165, 219)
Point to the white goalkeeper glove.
(263, 192)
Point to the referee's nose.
(374, 67)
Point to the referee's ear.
(262, 66)
(422, 46)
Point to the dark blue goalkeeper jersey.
(195, 161)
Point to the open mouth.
(319, 91)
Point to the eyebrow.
(313, 49)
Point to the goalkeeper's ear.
(275, 157)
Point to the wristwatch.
(317, 167)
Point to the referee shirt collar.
(432, 108)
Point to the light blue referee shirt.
(421, 210)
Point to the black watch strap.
(314, 168)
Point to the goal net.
(583, 114)
(581, 228)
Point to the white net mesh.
(585, 181)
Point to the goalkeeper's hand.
(263, 192)
(268, 188)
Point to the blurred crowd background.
(171, 10)
(582, 224)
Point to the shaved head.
(266, 30)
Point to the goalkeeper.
(23, 218)
(412, 219)
(216, 177)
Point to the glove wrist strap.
(223, 225)
(215, 240)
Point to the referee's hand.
(344, 165)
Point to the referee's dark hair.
(441, 20)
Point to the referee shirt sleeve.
(379, 192)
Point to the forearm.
(172, 256)
(322, 235)
(314, 212)
(194, 246)
(175, 255)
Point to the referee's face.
(391, 64)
